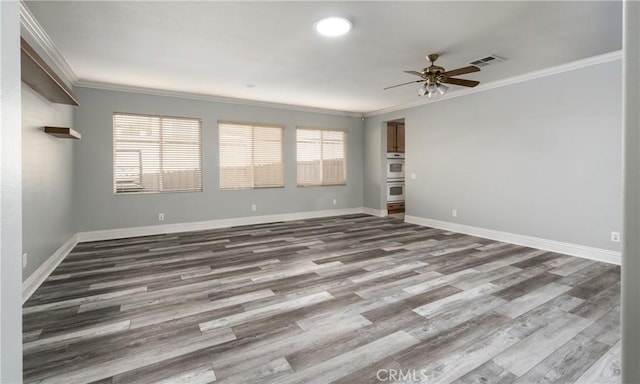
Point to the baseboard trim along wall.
(375, 212)
(109, 234)
(38, 277)
(585, 252)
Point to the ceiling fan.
(435, 77)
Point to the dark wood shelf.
(62, 132)
(39, 76)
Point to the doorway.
(395, 169)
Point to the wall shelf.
(64, 133)
(39, 76)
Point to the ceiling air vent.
(483, 62)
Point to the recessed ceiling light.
(332, 26)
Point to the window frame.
(345, 150)
(160, 149)
(253, 125)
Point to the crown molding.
(38, 35)
(42, 39)
(605, 58)
(217, 99)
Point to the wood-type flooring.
(346, 299)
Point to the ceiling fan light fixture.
(332, 26)
(430, 90)
(442, 89)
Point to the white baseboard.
(375, 212)
(583, 251)
(38, 277)
(32, 283)
(120, 233)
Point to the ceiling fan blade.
(410, 82)
(414, 73)
(461, 71)
(462, 82)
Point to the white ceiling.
(218, 48)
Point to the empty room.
(320, 192)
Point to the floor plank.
(345, 299)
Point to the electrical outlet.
(615, 236)
(454, 212)
(413, 176)
(25, 260)
(335, 201)
(254, 207)
(160, 216)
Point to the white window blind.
(250, 156)
(156, 154)
(321, 157)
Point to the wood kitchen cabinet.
(395, 207)
(395, 137)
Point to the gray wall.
(98, 208)
(539, 158)
(47, 179)
(10, 196)
(373, 165)
(631, 240)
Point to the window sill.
(321, 185)
(154, 192)
(250, 188)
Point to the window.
(156, 154)
(321, 157)
(250, 156)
